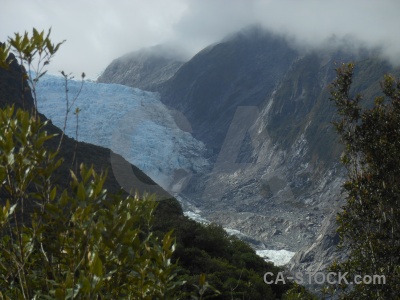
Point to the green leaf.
(73, 176)
(202, 279)
(85, 285)
(96, 266)
(81, 192)
(53, 193)
(73, 293)
(59, 294)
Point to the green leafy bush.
(369, 223)
(79, 242)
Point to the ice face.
(278, 257)
(131, 122)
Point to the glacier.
(137, 125)
(131, 122)
(278, 257)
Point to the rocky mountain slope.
(145, 69)
(262, 109)
(200, 249)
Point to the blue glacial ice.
(278, 257)
(131, 122)
(135, 124)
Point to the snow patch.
(277, 257)
(196, 217)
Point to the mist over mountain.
(144, 69)
(261, 107)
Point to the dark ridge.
(12, 84)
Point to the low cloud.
(99, 31)
(306, 23)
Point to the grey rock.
(262, 109)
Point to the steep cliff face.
(241, 70)
(262, 110)
(144, 69)
(319, 254)
(271, 178)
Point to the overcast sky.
(98, 31)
